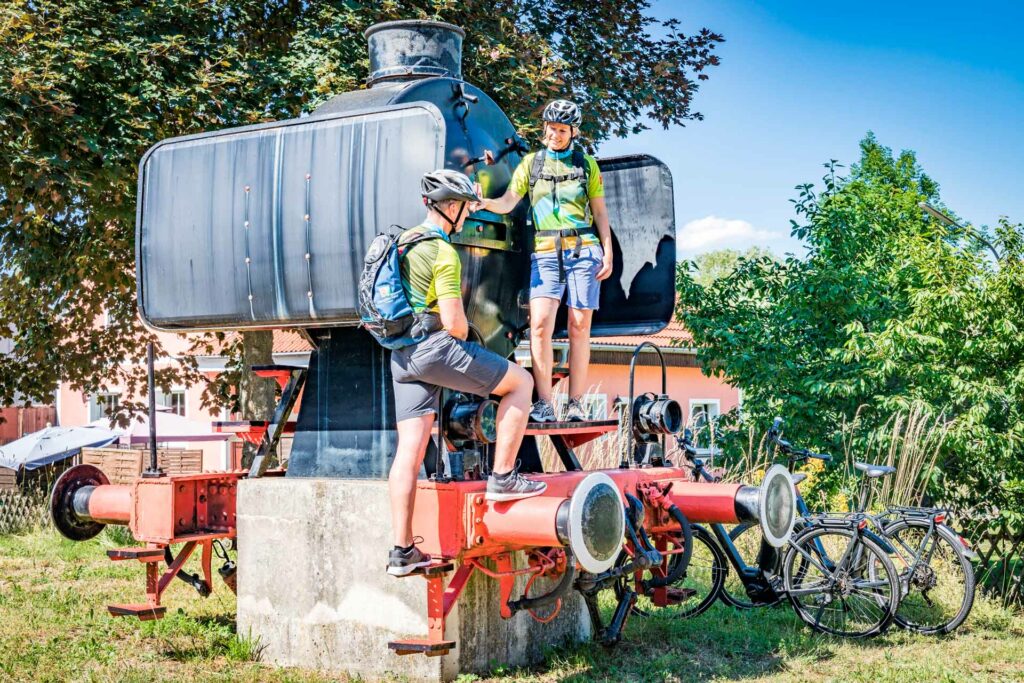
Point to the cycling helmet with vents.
(563, 111)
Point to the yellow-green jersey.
(566, 208)
(431, 270)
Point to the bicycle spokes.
(840, 583)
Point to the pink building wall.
(685, 385)
(73, 408)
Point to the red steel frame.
(459, 525)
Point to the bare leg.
(413, 435)
(542, 326)
(515, 389)
(579, 350)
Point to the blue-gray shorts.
(421, 370)
(584, 291)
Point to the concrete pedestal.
(312, 588)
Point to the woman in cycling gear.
(572, 249)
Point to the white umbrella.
(53, 444)
(169, 427)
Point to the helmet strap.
(458, 216)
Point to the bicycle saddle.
(798, 477)
(873, 471)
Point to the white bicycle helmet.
(443, 184)
(563, 111)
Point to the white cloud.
(712, 232)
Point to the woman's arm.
(604, 233)
(503, 204)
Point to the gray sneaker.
(513, 486)
(403, 563)
(542, 412)
(575, 412)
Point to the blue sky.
(802, 82)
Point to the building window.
(704, 414)
(596, 405)
(102, 405)
(173, 402)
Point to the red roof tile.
(285, 341)
(290, 341)
(674, 335)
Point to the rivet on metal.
(309, 249)
(248, 259)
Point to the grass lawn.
(54, 627)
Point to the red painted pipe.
(107, 503)
(706, 503)
(529, 522)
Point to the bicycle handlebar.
(787, 448)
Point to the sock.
(502, 477)
(407, 549)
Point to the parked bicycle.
(935, 562)
(837, 577)
(936, 574)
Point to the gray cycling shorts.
(421, 370)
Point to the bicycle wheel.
(936, 575)
(840, 582)
(746, 538)
(696, 591)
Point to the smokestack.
(412, 49)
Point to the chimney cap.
(413, 24)
(412, 49)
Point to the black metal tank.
(266, 226)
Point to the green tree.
(714, 265)
(890, 307)
(88, 85)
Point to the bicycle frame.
(756, 580)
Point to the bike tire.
(705, 574)
(911, 610)
(746, 538)
(852, 589)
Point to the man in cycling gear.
(570, 256)
(432, 280)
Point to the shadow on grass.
(219, 621)
(723, 643)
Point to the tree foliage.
(714, 265)
(88, 85)
(889, 308)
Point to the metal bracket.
(291, 378)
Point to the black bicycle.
(934, 561)
(936, 574)
(835, 571)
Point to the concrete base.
(312, 588)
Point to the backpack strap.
(537, 168)
(579, 161)
(404, 244)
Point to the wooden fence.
(17, 422)
(1001, 565)
(124, 465)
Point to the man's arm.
(448, 286)
(604, 233)
(453, 317)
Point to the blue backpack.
(384, 310)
